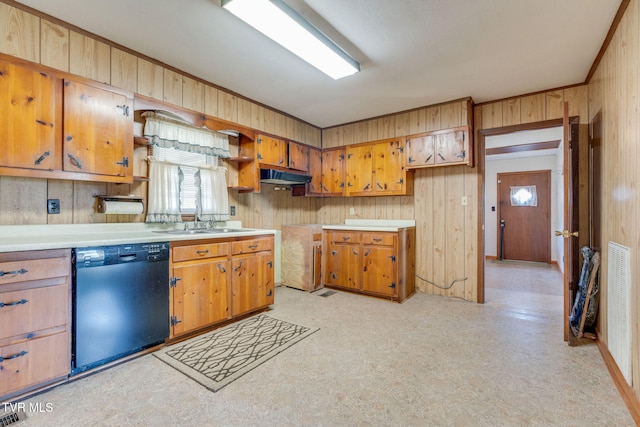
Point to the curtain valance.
(170, 131)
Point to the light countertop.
(39, 237)
(371, 225)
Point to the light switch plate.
(232, 211)
(53, 206)
(352, 211)
(464, 200)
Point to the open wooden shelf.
(239, 159)
(140, 141)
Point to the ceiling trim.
(534, 146)
(607, 40)
(530, 94)
(128, 50)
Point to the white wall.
(493, 167)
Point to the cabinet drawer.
(381, 239)
(250, 246)
(210, 250)
(344, 237)
(31, 310)
(33, 362)
(33, 269)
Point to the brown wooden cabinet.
(302, 256)
(333, 173)
(272, 151)
(30, 107)
(298, 156)
(440, 148)
(375, 263)
(35, 320)
(314, 188)
(97, 130)
(377, 169)
(215, 280)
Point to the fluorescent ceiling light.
(282, 24)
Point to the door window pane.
(524, 195)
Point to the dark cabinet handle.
(377, 239)
(270, 264)
(270, 292)
(401, 181)
(238, 267)
(334, 252)
(428, 158)
(333, 275)
(367, 187)
(379, 186)
(221, 268)
(253, 246)
(411, 159)
(442, 157)
(41, 158)
(202, 252)
(15, 356)
(75, 162)
(354, 251)
(13, 273)
(10, 304)
(345, 238)
(124, 162)
(462, 154)
(366, 253)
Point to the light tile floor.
(431, 361)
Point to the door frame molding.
(480, 145)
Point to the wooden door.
(343, 266)
(98, 130)
(272, 151)
(201, 295)
(333, 174)
(315, 169)
(29, 109)
(251, 282)
(359, 170)
(388, 160)
(379, 272)
(421, 150)
(298, 157)
(452, 146)
(524, 216)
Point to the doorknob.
(566, 233)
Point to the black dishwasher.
(120, 302)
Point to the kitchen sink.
(206, 231)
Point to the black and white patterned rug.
(220, 357)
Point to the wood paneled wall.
(614, 93)
(446, 231)
(36, 39)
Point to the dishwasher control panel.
(119, 254)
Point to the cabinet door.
(333, 174)
(359, 167)
(98, 130)
(421, 151)
(452, 147)
(343, 266)
(379, 272)
(29, 102)
(201, 295)
(315, 169)
(298, 157)
(252, 283)
(388, 160)
(272, 151)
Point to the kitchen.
(452, 229)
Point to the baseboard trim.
(493, 258)
(626, 392)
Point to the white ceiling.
(412, 53)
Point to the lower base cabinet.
(216, 280)
(375, 263)
(35, 320)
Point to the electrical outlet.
(53, 206)
(464, 200)
(232, 211)
(352, 211)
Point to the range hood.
(278, 177)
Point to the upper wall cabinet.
(439, 148)
(333, 174)
(98, 130)
(298, 157)
(378, 169)
(29, 118)
(315, 169)
(272, 151)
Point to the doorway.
(524, 216)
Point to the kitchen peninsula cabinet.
(214, 280)
(377, 263)
(98, 130)
(35, 320)
(30, 105)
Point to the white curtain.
(164, 192)
(170, 131)
(213, 201)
